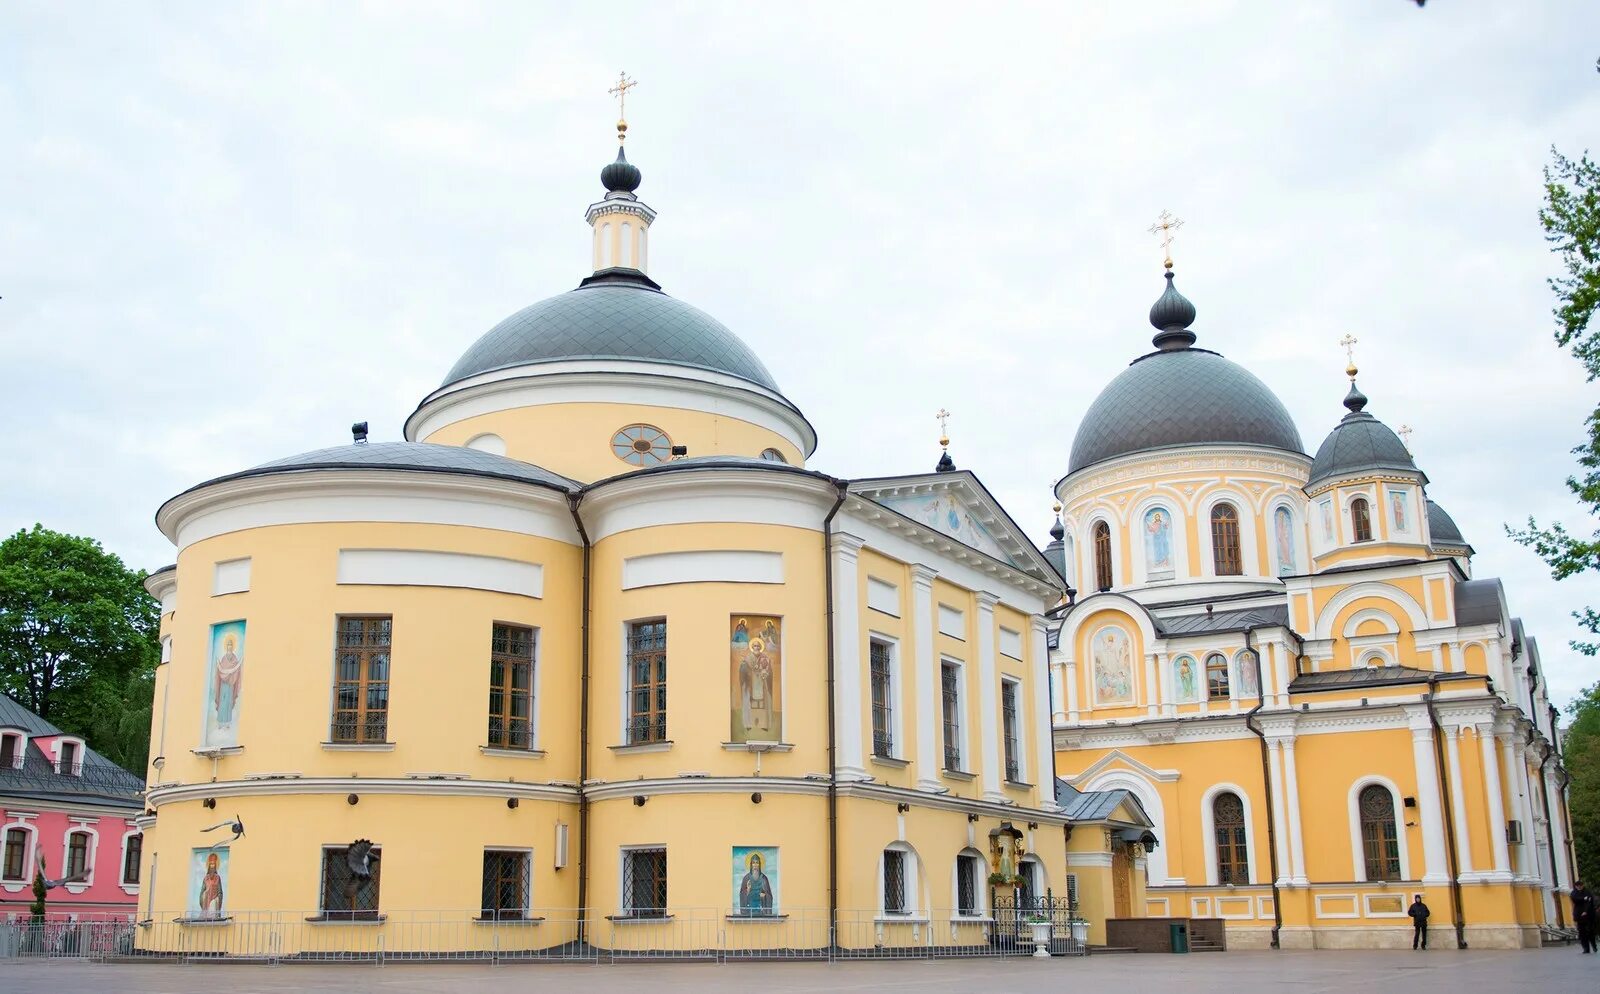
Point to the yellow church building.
(595, 659)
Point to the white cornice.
(710, 495)
(949, 802)
(1158, 464)
(174, 793)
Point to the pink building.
(64, 801)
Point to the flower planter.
(1080, 932)
(1041, 938)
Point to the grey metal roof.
(1360, 443)
(1181, 397)
(1479, 602)
(1374, 676)
(1224, 621)
(101, 781)
(1096, 805)
(1442, 527)
(424, 457)
(620, 315)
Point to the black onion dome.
(621, 176)
(1171, 315)
(1360, 443)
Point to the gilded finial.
(620, 91)
(944, 428)
(1056, 507)
(1165, 225)
(1348, 343)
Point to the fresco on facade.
(1186, 680)
(1283, 527)
(1113, 667)
(1247, 683)
(1326, 510)
(756, 678)
(208, 883)
(224, 684)
(1157, 541)
(944, 513)
(1397, 504)
(755, 880)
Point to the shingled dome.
(417, 457)
(1360, 443)
(1443, 528)
(615, 314)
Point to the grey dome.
(1443, 528)
(1360, 443)
(1184, 396)
(423, 457)
(615, 314)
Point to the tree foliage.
(1581, 757)
(78, 640)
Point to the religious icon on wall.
(1397, 501)
(208, 883)
(1113, 667)
(1326, 508)
(224, 684)
(756, 679)
(1158, 540)
(1283, 527)
(1247, 683)
(755, 880)
(1187, 680)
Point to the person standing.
(1419, 921)
(1583, 915)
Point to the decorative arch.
(1352, 625)
(1357, 851)
(1208, 831)
(1286, 538)
(981, 897)
(1150, 800)
(916, 898)
(1249, 560)
(1246, 681)
(1371, 588)
(488, 442)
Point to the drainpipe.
(1266, 785)
(573, 500)
(1448, 802)
(833, 736)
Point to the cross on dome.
(620, 91)
(1165, 225)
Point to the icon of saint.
(755, 890)
(225, 688)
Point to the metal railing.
(558, 935)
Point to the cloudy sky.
(227, 231)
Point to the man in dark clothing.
(1583, 915)
(1419, 920)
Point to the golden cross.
(1165, 225)
(1348, 343)
(944, 426)
(1405, 436)
(620, 91)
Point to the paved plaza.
(1552, 971)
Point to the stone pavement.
(1547, 971)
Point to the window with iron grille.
(1379, 842)
(950, 685)
(511, 651)
(131, 858)
(882, 700)
(350, 881)
(1233, 858)
(16, 866)
(1217, 677)
(70, 764)
(647, 682)
(77, 854)
(894, 882)
(1008, 728)
(361, 679)
(1225, 540)
(506, 880)
(1361, 520)
(967, 868)
(644, 883)
(1102, 556)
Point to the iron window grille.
(966, 885)
(350, 881)
(132, 858)
(1233, 860)
(882, 706)
(1008, 725)
(506, 884)
(951, 688)
(16, 854)
(511, 651)
(647, 682)
(644, 883)
(1217, 678)
(894, 882)
(1379, 841)
(1225, 540)
(361, 689)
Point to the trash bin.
(1179, 936)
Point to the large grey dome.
(615, 314)
(1183, 396)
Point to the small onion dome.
(1360, 443)
(621, 176)
(1171, 315)
(946, 464)
(1058, 531)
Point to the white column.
(1072, 690)
(929, 713)
(1058, 692)
(1431, 810)
(1043, 733)
(988, 698)
(1281, 663)
(1458, 799)
(1558, 831)
(849, 715)
(1509, 762)
(1281, 835)
(1291, 790)
(1152, 689)
(1537, 868)
(1495, 800)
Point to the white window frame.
(962, 710)
(20, 755)
(980, 908)
(1208, 831)
(625, 699)
(1358, 852)
(1249, 559)
(897, 743)
(122, 862)
(913, 884)
(81, 753)
(1116, 552)
(20, 821)
(1021, 732)
(535, 726)
(91, 856)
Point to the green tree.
(78, 640)
(1581, 757)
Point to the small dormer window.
(1361, 520)
(70, 759)
(10, 751)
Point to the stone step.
(1117, 950)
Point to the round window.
(642, 445)
(773, 455)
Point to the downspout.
(833, 736)
(1266, 786)
(573, 500)
(1448, 802)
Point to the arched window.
(1217, 677)
(1379, 841)
(1225, 540)
(1233, 856)
(1102, 556)
(1361, 519)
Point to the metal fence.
(559, 935)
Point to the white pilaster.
(1281, 836)
(1458, 799)
(929, 713)
(1436, 870)
(849, 715)
(988, 698)
(1495, 800)
(1558, 830)
(1058, 692)
(1291, 790)
(1152, 689)
(1510, 763)
(1045, 761)
(1072, 690)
